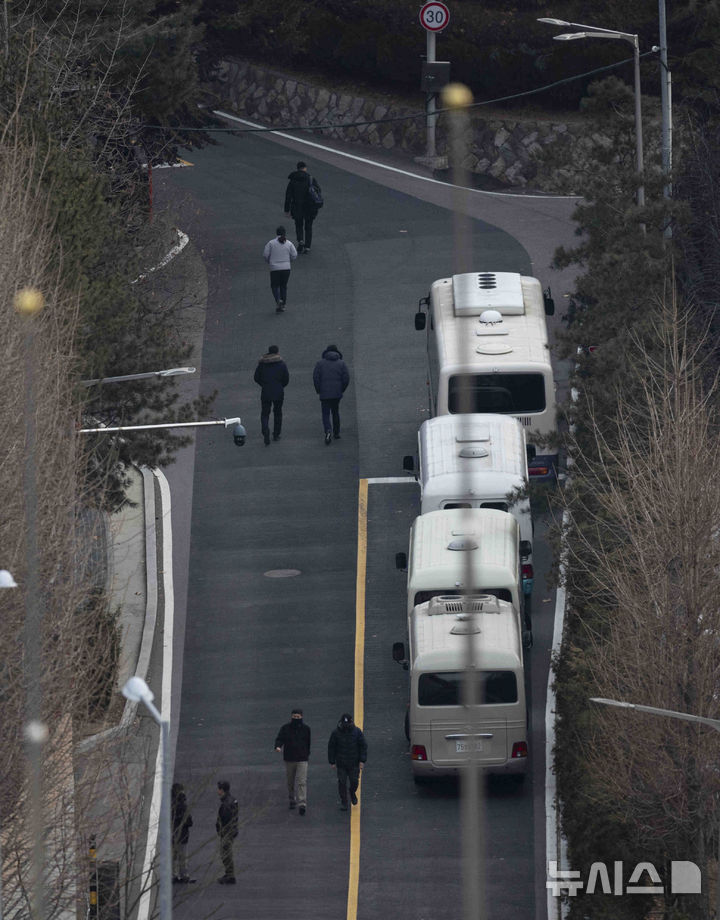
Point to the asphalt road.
(257, 645)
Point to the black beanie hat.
(274, 350)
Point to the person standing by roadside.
(300, 203)
(331, 378)
(293, 740)
(279, 253)
(273, 376)
(347, 752)
(181, 824)
(226, 826)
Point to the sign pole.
(431, 117)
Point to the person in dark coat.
(347, 752)
(272, 375)
(300, 205)
(226, 826)
(181, 824)
(331, 378)
(293, 740)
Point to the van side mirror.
(420, 320)
(398, 653)
(401, 562)
(409, 464)
(548, 302)
(525, 549)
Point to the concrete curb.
(150, 620)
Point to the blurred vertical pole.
(28, 303)
(666, 108)
(456, 98)
(431, 116)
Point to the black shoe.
(337, 436)
(176, 880)
(186, 880)
(266, 439)
(353, 798)
(302, 809)
(328, 438)
(343, 806)
(291, 806)
(300, 246)
(227, 880)
(306, 250)
(276, 437)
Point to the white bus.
(442, 737)
(447, 545)
(476, 461)
(488, 351)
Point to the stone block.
(388, 141)
(290, 87)
(322, 99)
(344, 102)
(379, 112)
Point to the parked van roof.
(474, 454)
(492, 540)
(439, 633)
(518, 336)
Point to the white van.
(476, 461)
(442, 543)
(443, 734)
(489, 352)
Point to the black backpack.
(315, 193)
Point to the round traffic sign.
(434, 16)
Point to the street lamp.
(671, 714)
(6, 581)
(138, 691)
(171, 372)
(597, 32)
(239, 431)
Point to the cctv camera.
(239, 435)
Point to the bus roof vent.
(473, 453)
(475, 292)
(462, 544)
(463, 604)
(494, 348)
(465, 625)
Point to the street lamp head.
(621, 704)
(176, 371)
(555, 22)
(6, 579)
(569, 36)
(137, 691)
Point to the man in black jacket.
(272, 375)
(293, 740)
(347, 752)
(226, 826)
(299, 204)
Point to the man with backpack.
(303, 200)
(227, 830)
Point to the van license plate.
(462, 747)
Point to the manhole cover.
(282, 573)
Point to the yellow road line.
(354, 871)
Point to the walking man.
(347, 752)
(181, 824)
(300, 203)
(293, 740)
(331, 378)
(272, 375)
(226, 826)
(279, 253)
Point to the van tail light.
(519, 749)
(418, 752)
(539, 470)
(527, 570)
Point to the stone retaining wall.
(501, 152)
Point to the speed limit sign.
(434, 16)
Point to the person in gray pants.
(293, 740)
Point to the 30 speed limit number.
(434, 16)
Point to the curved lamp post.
(170, 372)
(597, 32)
(138, 691)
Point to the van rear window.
(504, 393)
(445, 688)
(421, 596)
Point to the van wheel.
(407, 726)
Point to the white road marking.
(402, 172)
(166, 690)
(391, 479)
